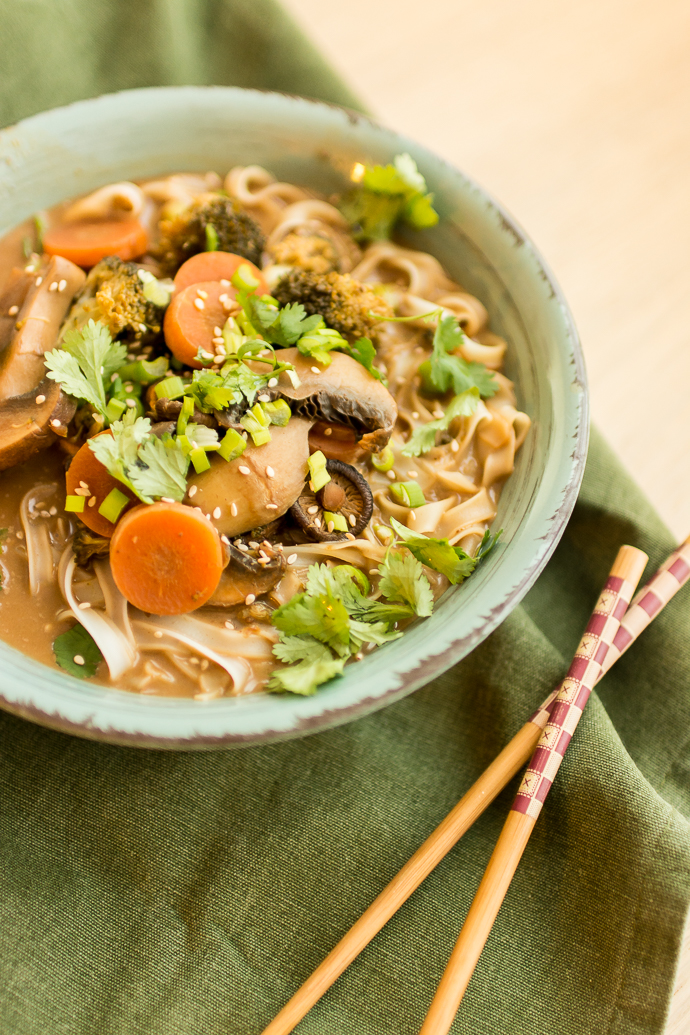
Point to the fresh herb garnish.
(85, 362)
(387, 194)
(446, 370)
(402, 579)
(150, 466)
(364, 352)
(77, 642)
(451, 561)
(423, 439)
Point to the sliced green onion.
(170, 388)
(257, 429)
(115, 409)
(232, 446)
(339, 522)
(156, 293)
(260, 415)
(211, 238)
(384, 533)
(384, 460)
(75, 504)
(199, 458)
(184, 444)
(113, 505)
(232, 335)
(317, 470)
(185, 413)
(144, 371)
(261, 437)
(244, 279)
(279, 412)
(408, 494)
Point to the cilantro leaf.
(387, 194)
(371, 632)
(364, 352)
(487, 544)
(310, 664)
(320, 615)
(451, 561)
(77, 642)
(141, 461)
(402, 578)
(423, 439)
(445, 369)
(87, 357)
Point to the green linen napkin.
(153, 893)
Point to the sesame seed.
(292, 558)
(201, 293)
(330, 526)
(271, 506)
(92, 502)
(78, 660)
(229, 625)
(129, 388)
(243, 547)
(317, 522)
(359, 656)
(413, 516)
(199, 303)
(224, 539)
(253, 545)
(53, 511)
(349, 535)
(84, 606)
(328, 431)
(233, 509)
(223, 298)
(273, 382)
(81, 492)
(218, 340)
(225, 283)
(158, 634)
(44, 513)
(352, 519)
(40, 399)
(55, 423)
(391, 475)
(413, 474)
(192, 491)
(205, 354)
(98, 418)
(438, 414)
(198, 510)
(312, 510)
(167, 499)
(264, 398)
(84, 485)
(217, 331)
(216, 513)
(270, 473)
(29, 269)
(250, 598)
(39, 281)
(19, 534)
(62, 285)
(415, 415)
(263, 556)
(244, 470)
(53, 286)
(315, 370)
(454, 446)
(13, 310)
(207, 516)
(131, 403)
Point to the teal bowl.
(145, 133)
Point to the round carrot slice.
(191, 320)
(86, 243)
(88, 474)
(166, 558)
(216, 266)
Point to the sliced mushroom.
(37, 326)
(250, 573)
(169, 409)
(26, 426)
(347, 493)
(342, 393)
(11, 301)
(257, 487)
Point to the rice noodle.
(38, 546)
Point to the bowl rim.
(166, 722)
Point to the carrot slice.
(216, 266)
(166, 558)
(190, 321)
(86, 243)
(86, 472)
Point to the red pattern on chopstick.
(572, 696)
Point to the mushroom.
(249, 573)
(27, 425)
(116, 200)
(347, 493)
(11, 301)
(257, 487)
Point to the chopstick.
(566, 711)
(663, 586)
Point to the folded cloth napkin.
(154, 893)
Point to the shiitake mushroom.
(347, 493)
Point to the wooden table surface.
(577, 117)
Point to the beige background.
(577, 117)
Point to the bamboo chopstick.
(566, 711)
(673, 574)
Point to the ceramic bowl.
(145, 133)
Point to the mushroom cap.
(354, 501)
(342, 393)
(25, 425)
(247, 573)
(258, 497)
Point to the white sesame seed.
(158, 634)
(243, 547)
(270, 473)
(315, 370)
(131, 403)
(205, 354)
(84, 606)
(143, 328)
(454, 446)
(223, 298)
(415, 415)
(82, 492)
(129, 388)
(207, 516)
(167, 499)
(317, 522)
(84, 485)
(40, 399)
(218, 340)
(224, 539)
(373, 571)
(264, 398)
(44, 513)
(198, 510)
(438, 414)
(233, 509)
(229, 625)
(192, 491)
(349, 535)
(330, 526)
(78, 660)
(19, 534)
(92, 502)
(62, 285)
(271, 506)
(53, 511)
(250, 598)
(312, 510)
(253, 545)
(55, 423)
(413, 516)
(217, 331)
(199, 303)
(292, 558)
(216, 513)
(39, 281)
(201, 293)
(53, 286)
(225, 283)
(391, 475)
(328, 431)
(359, 656)
(352, 519)
(244, 470)
(273, 382)
(413, 474)
(98, 418)
(13, 310)
(29, 269)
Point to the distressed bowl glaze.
(144, 133)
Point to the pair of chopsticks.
(615, 624)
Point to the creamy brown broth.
(461, 478)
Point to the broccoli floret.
(214, 223)
(343, 302)
(87, 545)
(307, 252)
(123, 297)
